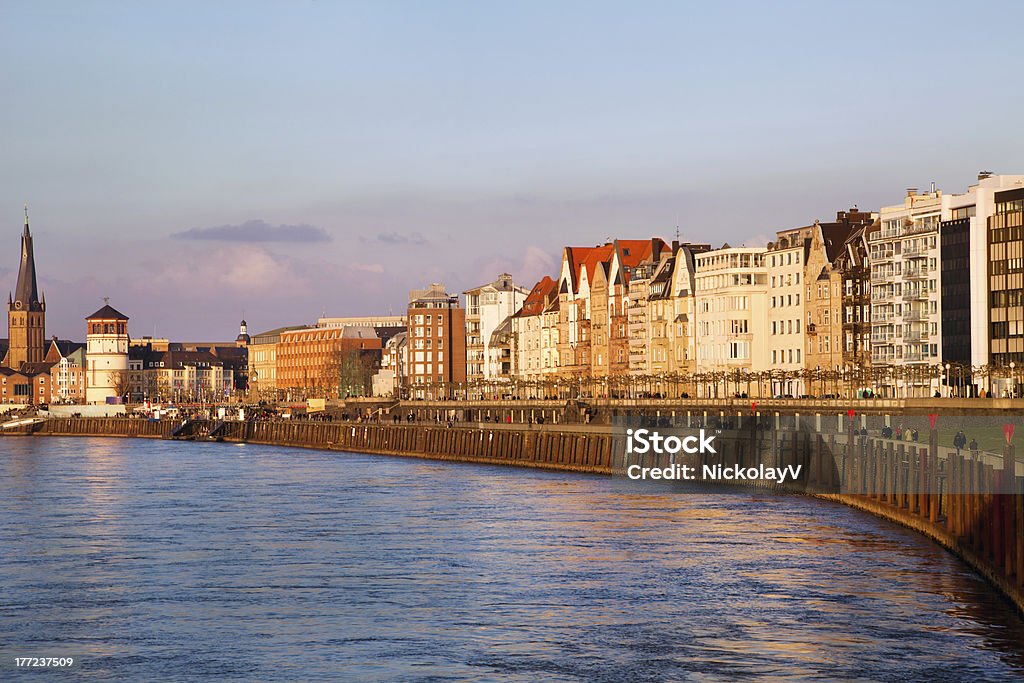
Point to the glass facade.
(1006, 278)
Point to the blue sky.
(161, 150)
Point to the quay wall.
(972, 507)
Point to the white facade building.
(786, 338)
(487, 306)
(106, 355)
(906, 323)
(732, 314)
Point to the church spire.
(26, 295)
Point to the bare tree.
(121, 382)
(350, 372)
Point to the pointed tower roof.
(108, 312)
(26, 294)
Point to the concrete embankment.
(973, 508)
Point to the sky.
(201, 162)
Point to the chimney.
(984, 174)
(911, 191)
(933, 188)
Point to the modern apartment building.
(1005, 232)
(905, 314)
(942, 274)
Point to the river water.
(153, 560)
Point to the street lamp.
(1013, 380)
(949, 389)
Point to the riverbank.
(973, 509)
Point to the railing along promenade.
(973, 504)
(563, 411)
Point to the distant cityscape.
(921, 298)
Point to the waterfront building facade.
(437, 343)
(487, 308)
(593, 289)
(660, 316)
(66, 360)
(906, 320)
(263, 361)
(179, 375)
(852, 262)
(731, 287)
(684, 308)
(1004, 285)
(106, 353)
(31, 385)
(327, 362)
(826, 319)
(786, 259)
(530, 361)
(639, 321)
(389, 380)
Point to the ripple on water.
(157, 560)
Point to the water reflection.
(163, 560)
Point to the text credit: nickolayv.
(643, 441)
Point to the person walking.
(974, 448)
(959, 441)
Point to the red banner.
(932, 418)
(1008, 432)
(753, 406)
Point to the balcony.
(916, 336)
(883, 317)
(880, 278)
(916, 273)
(915, 315)
(915, 295)
(914, 250)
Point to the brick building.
(327, 361)
(436, 343)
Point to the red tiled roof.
(631, 254)
(534, 303)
